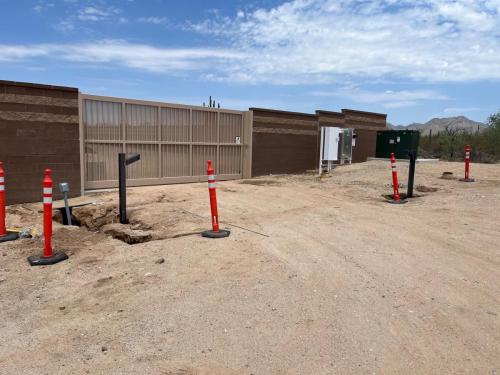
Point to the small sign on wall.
(237, 140)
(391, 141)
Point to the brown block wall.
(366, 142)
(283, 142)
(39, 128)
(365, 125)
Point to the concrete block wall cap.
(38, 85)
(347, 110)
(269, 110)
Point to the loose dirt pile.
(319, 276)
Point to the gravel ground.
(319, 276)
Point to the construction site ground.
(318, 276)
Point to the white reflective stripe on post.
(47, 190)
(2, 187)
(211, 177)
(211, 185)
(47, 200)
(2, 179)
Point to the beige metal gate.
(175, 141)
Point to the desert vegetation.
(449, 144)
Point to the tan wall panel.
(230, 160)
(175, 160)
(147, 167)
(175, 124)
(231, 126)
(204, 126)
(101, 161)
(142, 122)
(103, 120)
(200, 156)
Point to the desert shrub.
(450, 143)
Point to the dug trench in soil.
(144, 225)
(104, 218)
(426, 189)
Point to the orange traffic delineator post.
(49, 256)
(467, 166)
(215, 232)
(396, 198)
(5, 235)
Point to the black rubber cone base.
(10, 236)
(466, 179)
(390, 198)
(220, 234)
(43, 261)
(400, 201)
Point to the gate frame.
(245, 146)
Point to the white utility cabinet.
(329, 147)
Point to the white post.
(321, 150)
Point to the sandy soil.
(328, 279)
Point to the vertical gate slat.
(190, 142)
(159, 137)
(218, 162)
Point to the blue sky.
(413, 60)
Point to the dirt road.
(329, 279)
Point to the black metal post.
(123, 161)
(411, 172)
(122, 183)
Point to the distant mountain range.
(437, 125)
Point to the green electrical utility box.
(397, 141)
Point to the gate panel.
(100, 161)
(175, 160)
(175, 125)
(148, 165)
(103, 120)
(230, 160)
(231, 127)
(141, 123)
(204, 126)
(200, 156)
(175, 141)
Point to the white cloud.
(15, 53)
(308, 41)
(93, 13)
(89, 14)
(388, 99)
(42, 6)
(153, 20)
(400, 104)
(137, 56)
(317, 41)
(65, 26)
(460, 110)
